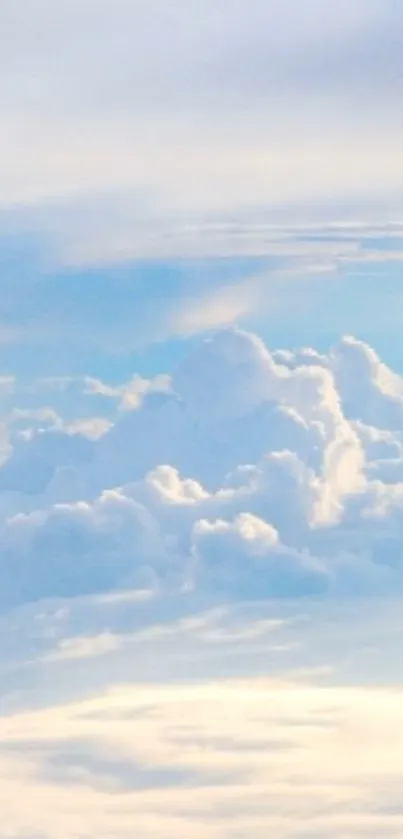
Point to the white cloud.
(245, 470)
(74, 549)
(85, 647)
(369, 389)
(246, 558)
(236, 721)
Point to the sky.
(201, 419)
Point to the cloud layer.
(179, 719)
(138, 131)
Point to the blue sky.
(111, 320)
(201, 419)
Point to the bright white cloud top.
(246, 472)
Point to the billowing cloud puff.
(35, 459)
(79, 548)
(370, 391)
(246, 557)
(248, 471)
(231, 403)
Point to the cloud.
(245, 470)
(369, 389)
(173, 731)
(85, 647)
(125, 155)
(75, 549)
(247, 554)
(33, 461)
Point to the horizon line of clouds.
(111, 231)
(269, 109)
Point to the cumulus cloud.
(78, 548)
(245, 470)
(34, 460)
(370, 391)
(246, 557)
